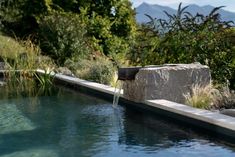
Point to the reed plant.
(21, 64)
(200, 97)
(211, 97)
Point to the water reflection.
(155, 135)
(71, 124)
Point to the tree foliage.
(20, 17)
(187, 38)
(103, 20)
(60, 37)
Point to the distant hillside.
(156, 11)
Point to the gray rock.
(170, 82)
(2, 65)
(64, 71)
(2, 83)
(228, 112)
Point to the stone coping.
(214, 118)
(88, 84)
(224, 124)
(175, 66)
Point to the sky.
(230, 4)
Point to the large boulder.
(170, 82)
(64, 71)
(228, 112)
(2, 65)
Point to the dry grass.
(227, 98)
(201, 97)
(10, 48)
(22, 55)
(21, 59)
(209, 97)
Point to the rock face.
(2, 65)
(64, 71)
(228, 112)
(168, 82)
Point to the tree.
(21, 16)
(104, 18)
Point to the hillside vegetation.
(105, 35)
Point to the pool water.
(72, 124)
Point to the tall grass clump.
(21, 59)
(9, 47)
(210, 97)
(201, 97)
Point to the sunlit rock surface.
(168, 82)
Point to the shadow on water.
(76, 124)
(24, 140)
(156, 132)
(66, 121)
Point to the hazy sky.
(230, 4)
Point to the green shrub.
(10, 48)
(99, 70)
(20, 17)
(118, 48)
(112, 30)
(187, 38)
(144, 46)
(62, 36)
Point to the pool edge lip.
(209, 120)
(214, 118)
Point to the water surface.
(72, 124)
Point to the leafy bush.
(62, 36)
(99, 70)
(20, 17)
(61, 27)
(144, 46)
(10, 48)
(118, 48)
(186, 38)
(111, 25)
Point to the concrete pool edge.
(209, 120)
(215, 122)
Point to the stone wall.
(168, 82)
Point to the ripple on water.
(33, 153)
(13, 120)
(98, 110)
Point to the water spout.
(117, 93)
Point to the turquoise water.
(71, 124)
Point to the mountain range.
(157, 11)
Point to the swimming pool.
(72, 124)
